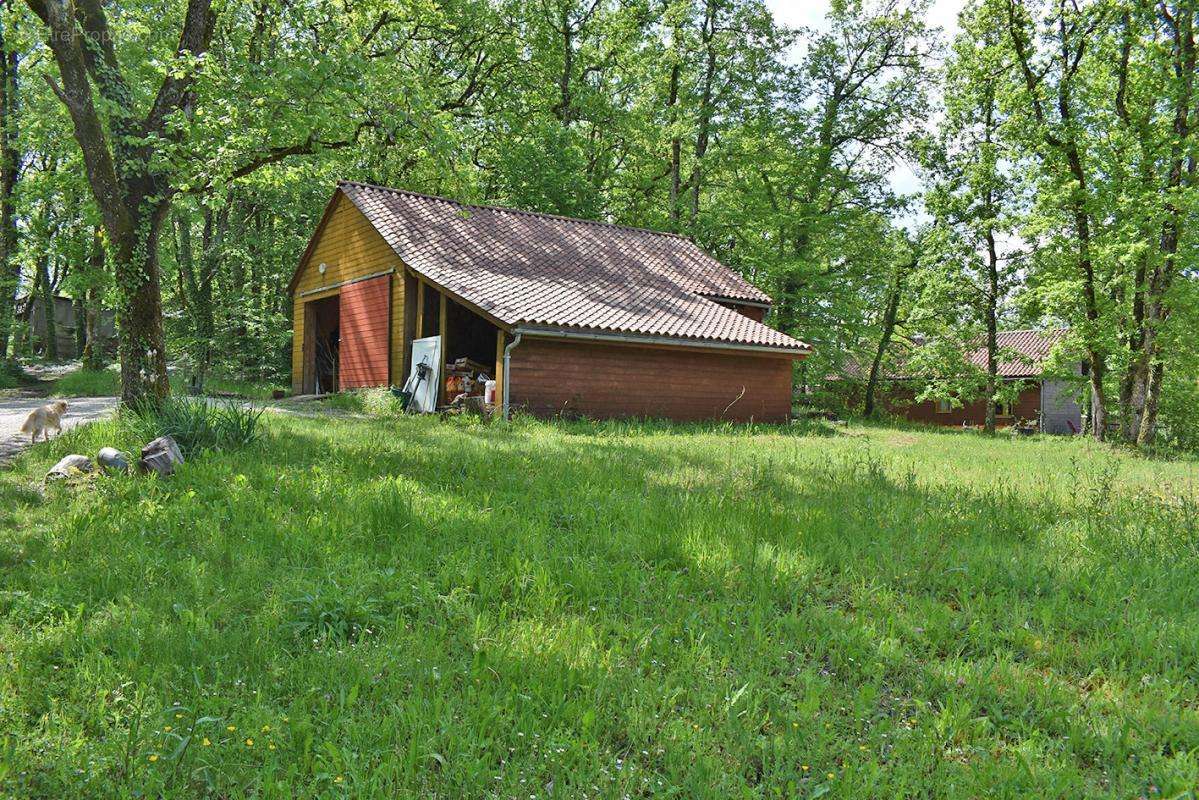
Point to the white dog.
(41, 420)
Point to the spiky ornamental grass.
(406, 607)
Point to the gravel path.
(13, 412)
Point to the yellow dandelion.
(285, 719)
(178, 716)
(249, 742)
(270, 746)
(861, 747)
(231, 728)
(805, 767)
(266, 728)
(338, 779)
(207, 742)
(153, 757)
(166, 728)
(831, 776)
(1037, 644)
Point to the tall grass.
(196, 425)
(407, 608)
(89, 383)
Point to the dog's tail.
(30, 423)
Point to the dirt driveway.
(13, 412)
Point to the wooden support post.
(420, 309)
(441, 319)
(499, 368)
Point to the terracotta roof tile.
(527, 268)
(1029, 349)
(1031, 346)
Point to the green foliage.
(650, 609)
(89, 383)
(332, 616)
(1180, 413)
(197, 425)
(378, 402)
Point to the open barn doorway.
(322, 324)
(469, 336)
(470, 355)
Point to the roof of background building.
(1027, 349)
(541, 270)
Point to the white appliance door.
(426, 351)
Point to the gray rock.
(70, 466)
(111, 459)
(160, 456)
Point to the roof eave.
(767, 303)
(617, 337)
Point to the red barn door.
(365, 333)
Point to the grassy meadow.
(404, 607)
(107, 382)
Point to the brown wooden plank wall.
(602, 380)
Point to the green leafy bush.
(374, 402)
(8, 380)
(198, 425)
(1180, 415)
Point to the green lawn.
(411, 608)
(107, 382)
(89, 383)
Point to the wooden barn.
(564, 315)
(1049, 400)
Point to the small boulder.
(69, 467)
(111, 459)
(160, 456)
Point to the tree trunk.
(46, 296)
(992, 317)
(93, 348)
(1157, 311)
(704, 130)
(204, 324)
(139, 317)
(890, 314)
(1153, 396)
(675, 145)
(10, 268)
(79, 328)
(991, 296)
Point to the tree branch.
(194, 39)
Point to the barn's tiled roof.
(1032, 348)
(1027, 349)
(540, 270)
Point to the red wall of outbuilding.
(1026, 407)
(601, 380)
(365, 333)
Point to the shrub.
(198, 425)
(8, 378)
(375, 402)
(1179, 416)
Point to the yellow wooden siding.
(350, 247)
